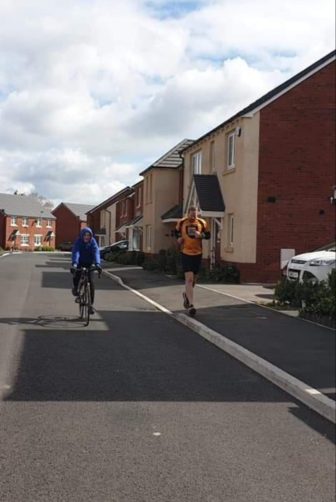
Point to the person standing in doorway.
(190, 231)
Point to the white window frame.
(24, 237)
(14, 221)
(231, 152)
(49, 224)
(231, 229)
(38, 222)
(25, 221)
(196, 162)
(37, 244)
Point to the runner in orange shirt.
(189, 232)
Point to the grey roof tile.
(171, 159)
(23, 205)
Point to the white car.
(316, 265)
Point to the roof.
(79, 210)
(273, 94)
(112, 199)
(138, 219)
(172, 159)
(175, 213)
(23, 205)
(209, 193)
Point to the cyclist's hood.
(86, 230)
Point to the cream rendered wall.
(165, 193)
(239, 185)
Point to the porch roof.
(174, 214)
(137, 222)
(209, 194)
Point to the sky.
(93, 91)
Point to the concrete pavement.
(138, 408)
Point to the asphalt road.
(137, 408)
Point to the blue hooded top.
(85, 254)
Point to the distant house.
(135, 226)
(163, 193)
(25, 224)
(103, 218)
(70, 219)
(263, 178)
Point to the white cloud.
(95, 90)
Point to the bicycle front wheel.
(87, 304)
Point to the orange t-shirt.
(191, 246)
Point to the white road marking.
(308, 395)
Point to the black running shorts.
(191, 263)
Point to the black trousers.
(76, 279)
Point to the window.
(24, 240)
(149, 237)
(14, 221)
(25, 221)
(212, 156)
(196, 163)
(37, 240)
(39, 222)
(230, 144)
(230, 230)
(49, 225)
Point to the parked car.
(120, 246)
(65, 246)
(316, 265)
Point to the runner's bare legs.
(189, 286)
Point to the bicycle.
(84, 293)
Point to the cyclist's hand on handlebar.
(73, 268)
(99, 269)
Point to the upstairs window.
(230, 148)
(39, 222)
(196, 163)
(14, 221)
(25, 221)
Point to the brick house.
(274, 164)
(70, 219)
(135, 226)
(25, 224)
(103, 218)
(124, 214)
(162, 194)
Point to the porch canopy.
(205, 193)
(136, 223)
(173, 215)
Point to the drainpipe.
(110, 225)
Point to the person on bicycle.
(189, 233)
(85, 253)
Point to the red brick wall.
(138, 209)
(67, 225)
(31, 230)
(297, 166)
(122, 219)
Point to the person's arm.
(75, 253)
(96, 252)
(205, 233)
(178, 233)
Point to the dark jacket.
(85, 254)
